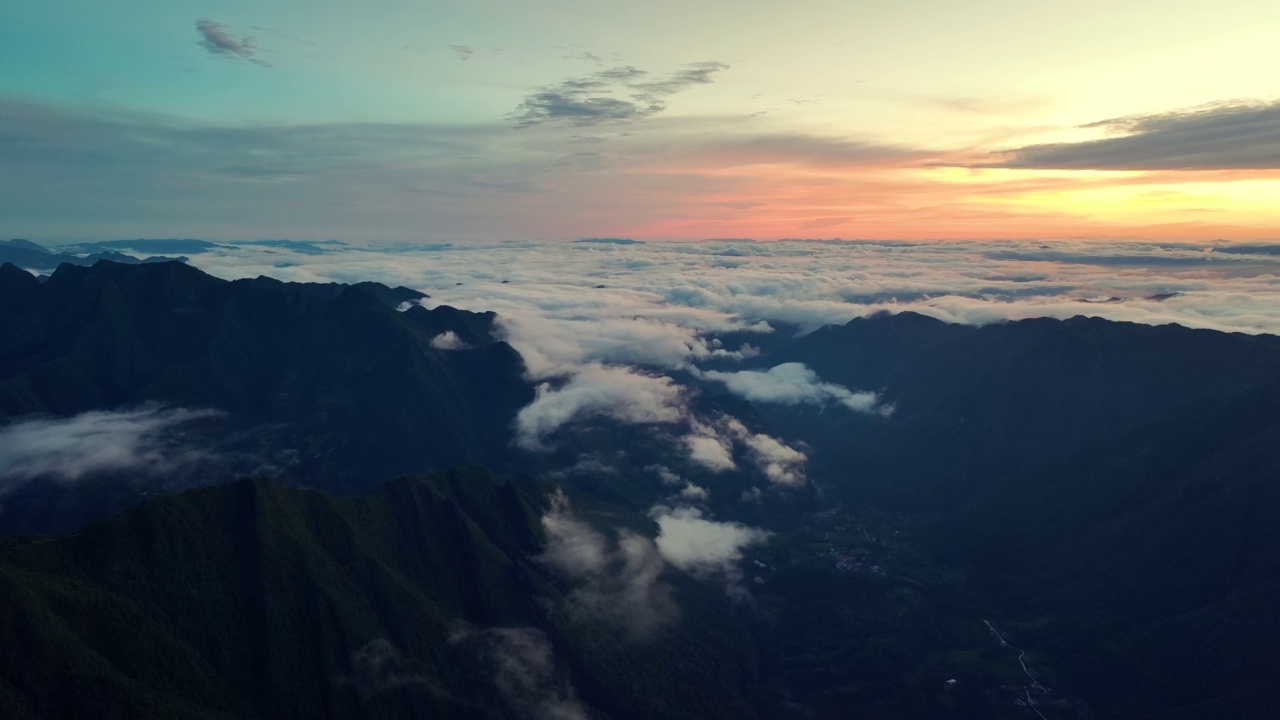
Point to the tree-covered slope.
(256, 600)
(1155, 553)
(975, 402)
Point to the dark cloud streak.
(617, 94)
(218, 40)
(1239, 136)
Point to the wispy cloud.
(523, 669)
(615, 581)
(808, 150)
(620, 581)
(130, 174)
(67, 449)
(220, 42)
(1232, 136)
(612, 95)
(378, 667)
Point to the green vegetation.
(256, 600)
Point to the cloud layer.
(1219, 137)
(582, 163)
(607, 327)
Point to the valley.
(1038, 519)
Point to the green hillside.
(256, 600)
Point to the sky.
(494, 120)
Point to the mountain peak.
(25, 245)
(16, 284)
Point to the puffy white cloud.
(697, 545)
(448, 340)
(618, 393)
(711, 445)
(694, 493)
(782, 464)
(143, 440)
(792, 384)
(709, 449)
(621, 582)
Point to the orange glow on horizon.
(908, 201)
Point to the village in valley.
(848, 543)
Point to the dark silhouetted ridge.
(331, 372)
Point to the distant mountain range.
(26, 254)
(32, 256)
(1098, 494)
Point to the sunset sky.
(393, 120)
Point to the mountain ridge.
(254, 599)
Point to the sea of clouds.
(605, 324)
(626, 331)
(608, 326)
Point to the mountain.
(257, 600)
(975, 402)
(1074, 513)
(1154, 553)
(32, 256)
(1102, 488)
(335, 377)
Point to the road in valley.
(1022, 655)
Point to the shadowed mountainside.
(256, 600)
(974, 402)
(333, 372)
